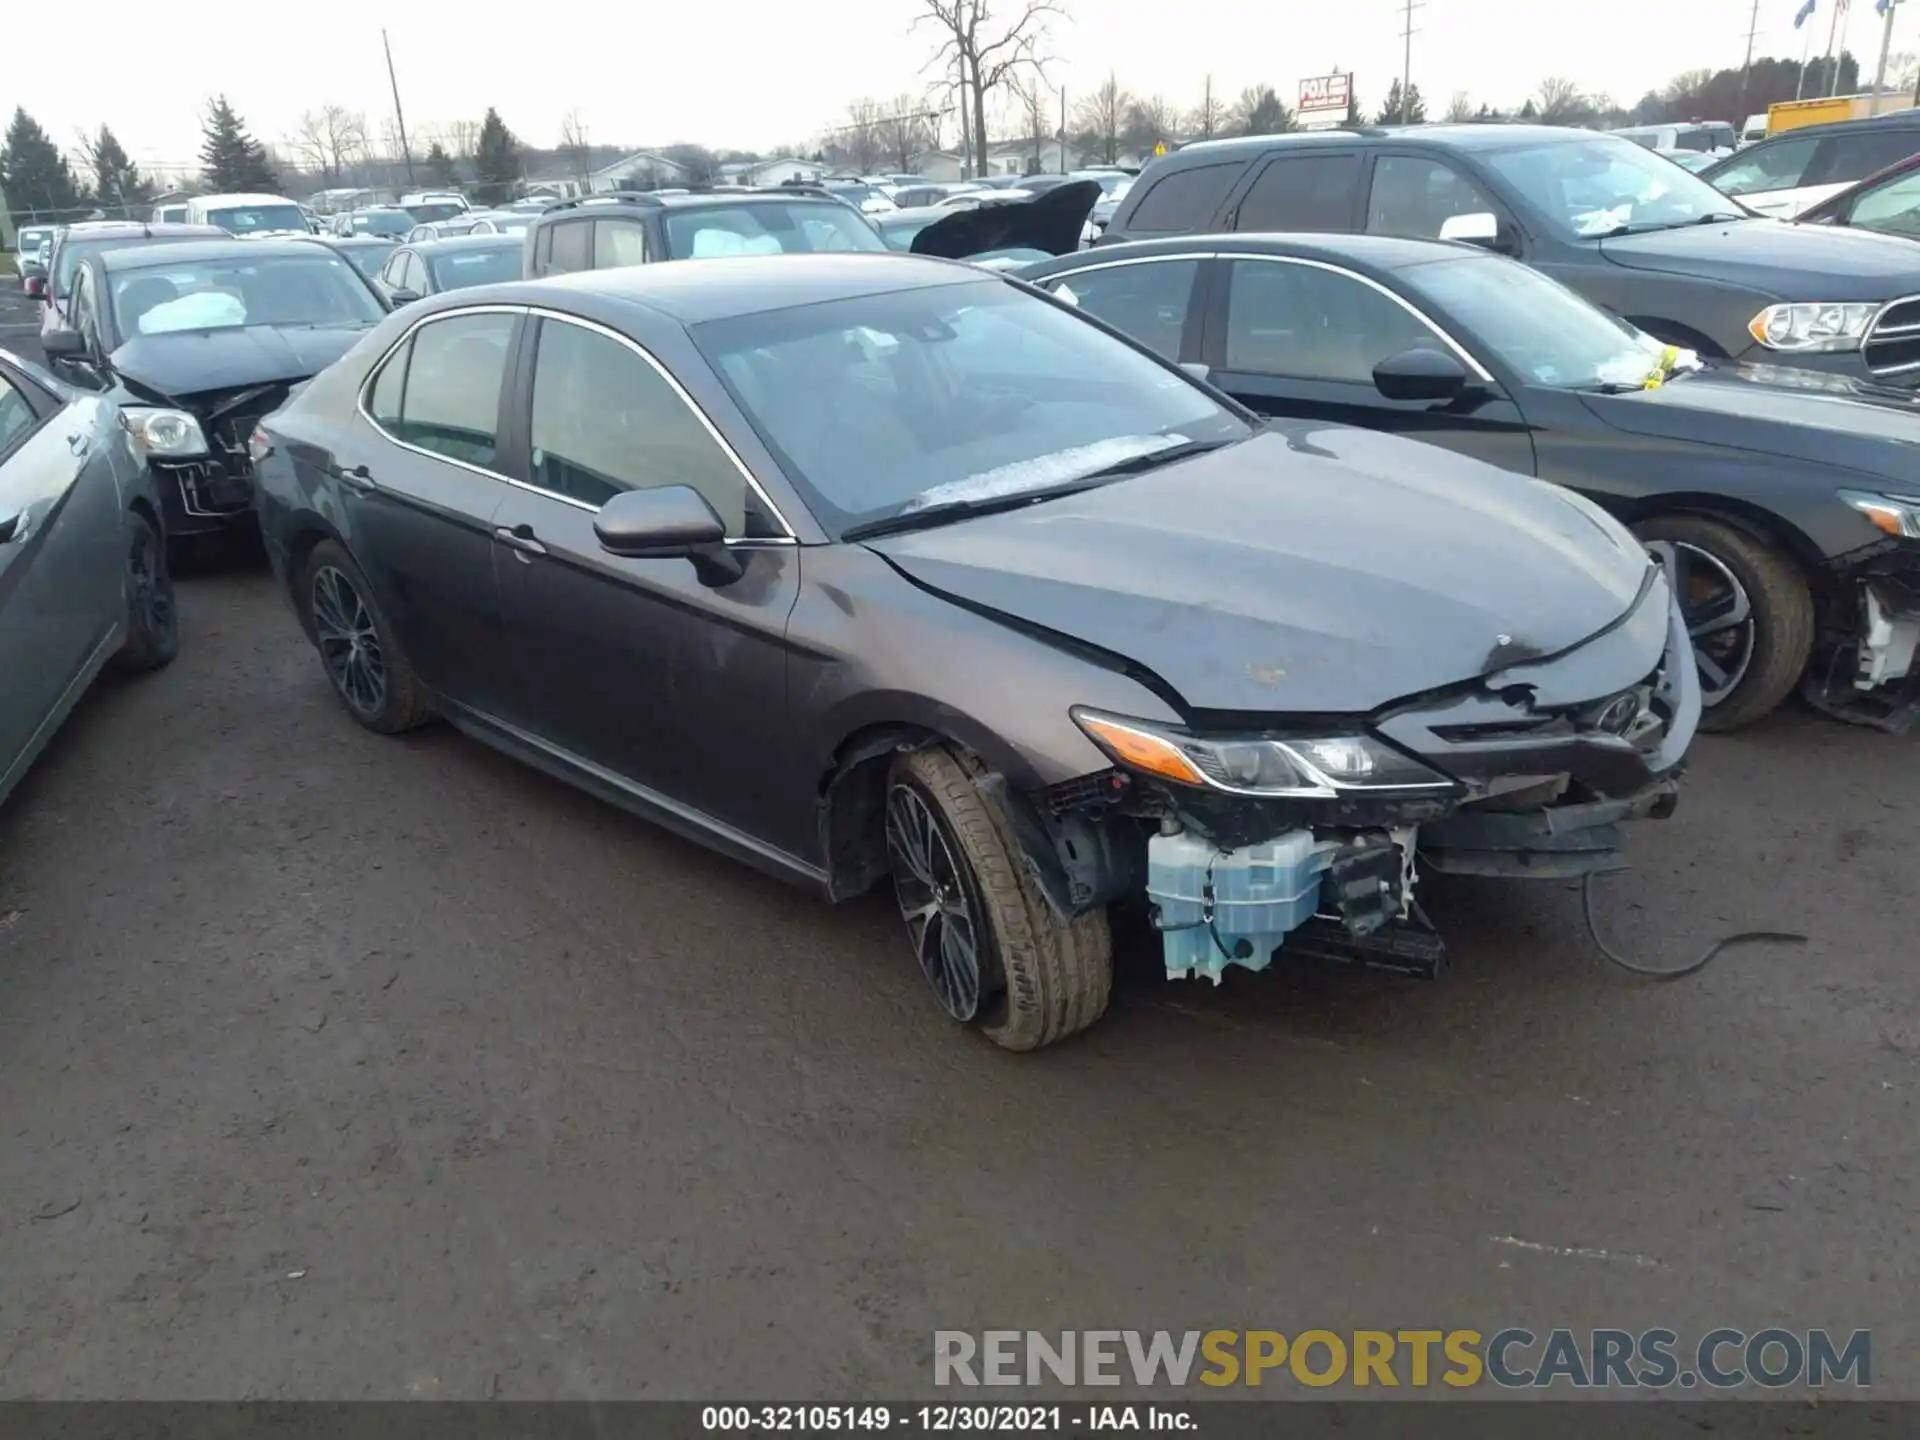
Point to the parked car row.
(1362, 506)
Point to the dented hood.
(1305, 570)
(185, 362)
(1051, 222)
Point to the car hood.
(1051, 222)
(1809, 416)
(186, 362)
(1308, 569)
(1789, 262)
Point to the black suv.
(600, 232)
(1629, 229)
(1787, 174)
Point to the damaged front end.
(1863, 669)
(1245, 834)
(212, 491)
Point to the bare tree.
(1210, 115)
(329, 139)
(903, 130)
(1460, 108)
(1260, 111)
(1033, 106)
(860, 137)
(1560, 100)
(463, 139)
(986, 51)
(1100, 117)
(573, 145)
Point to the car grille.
(1892, 346)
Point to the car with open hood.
(1634, 233)
(221, 330)
(1780, 499)
(878, 567)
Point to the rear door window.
(619, 242)
(1775, 165)
(1854, 157)
(1184, 200)
(451, 402)
(1303, 192)
(1147, 301)
(570, 250)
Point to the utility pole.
(1063, 129)
(399, 120)
(1886, 48)
(1407, 7)
(1746, 65)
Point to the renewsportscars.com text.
(1413, 1359)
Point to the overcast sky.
(750, 74)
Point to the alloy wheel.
(151, 580)
(1718, 613)
(349, 644)
(935, 901)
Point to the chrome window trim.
(1461, 353)
(386, 356)
(1046, 282)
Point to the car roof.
(168, 230)
(1892, 120)
(695, 291)
(1463, 137)
(448, 243)
(186, 252)
(338, 241)
(242, 198)
(1376, 252)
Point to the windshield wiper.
(945, 511)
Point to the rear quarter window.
(1184, 199)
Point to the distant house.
(1005, 157)
(638, 171)
(771, 172)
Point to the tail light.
(259, 444)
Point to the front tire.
(1748, 609)
(153, 620)
(985, 938)
(358, 648)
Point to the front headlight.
(1295, 769)
(1895, 515)
(1805, 328)
(164, 434)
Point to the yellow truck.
(1792, 114)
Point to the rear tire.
(358, 648)
(1033, 981)
(1749, 611)
(153, 620)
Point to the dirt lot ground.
(338, 1066)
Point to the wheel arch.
(1767, 527)
(304, 533)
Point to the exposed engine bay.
(1863, 669)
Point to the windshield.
(295, 290)
(75, 249)
(30, 237)
(856, 193)
(510, 224)
(1535, 325)
(426, 214)
(487, 266)
(382, 222)
(1600, 186)
(899, 233)
(252, 219)
(367, 259)
(768, 229)
(889, 403)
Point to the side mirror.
(1420, 375)
(403, 297)
(672, 521)
(63, 345)
(1481, 227)
(1198, 369)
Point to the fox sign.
(1325, 94)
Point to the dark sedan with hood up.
(221, 330)
(871, 566)
(1782, 498)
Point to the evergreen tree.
(231, 160)
(496, 160)
(117, 180)
(1390, 111)
(440, 167)
(33, 172)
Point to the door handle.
(357, 476)
(79, 444)
(521, 538)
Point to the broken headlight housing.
(1808, 328)
(1895, 515)
(164, 434)
(1267, 767)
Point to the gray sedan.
(83, 558)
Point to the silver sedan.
(83, 555)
